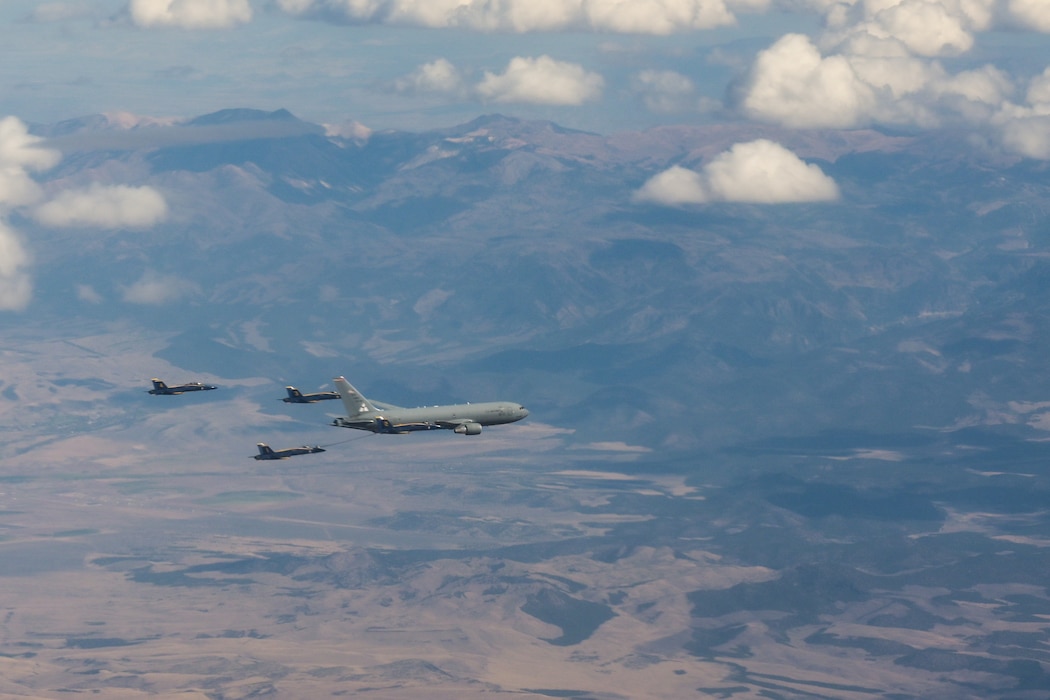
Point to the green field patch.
(234, 497)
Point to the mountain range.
(773, 450)
(506, 256)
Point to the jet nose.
(523, 411)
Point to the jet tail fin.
(158, 384)
(355, 403)
(264, 449)
(293, 393)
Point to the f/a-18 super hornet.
(162, 389)
(267, 452)
(296, 396)
(465, 419)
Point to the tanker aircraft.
(162, 389)
(296, 396)
(465, 419)
(267, 452)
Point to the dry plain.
(144, 554)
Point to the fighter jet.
(267, 452)
(465, 419)
(162, 389)
(296, 396)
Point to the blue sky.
(602, 65)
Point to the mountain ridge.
(466, 247)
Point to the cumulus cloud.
(525, 80)
(757, 172)
(101, 206)
(1025, 128)
(923, 27)
(674, 186)
(875, 82)
(1027, 136)
(437, 77)
(1038, 93)
(664, 91)
(154, 289)
(20, 153)
(624, 16)
(96, 206)
(1032, 14)
(879, 62)
(791, 84)
(541, 80)
(189, 14)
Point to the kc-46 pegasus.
(465, 419)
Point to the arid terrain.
(144, 554)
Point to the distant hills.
(506, 258)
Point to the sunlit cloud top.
(757, 172)
(190, 14)
(621, 16)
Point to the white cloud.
(1032, 14)
(153, 288)
(665, 91)
(623, 16)
(674, 186)
(190, 14)
(101, 206)
(656, 16)
(437, 77)
(1025, 128)
(20, 152)
(1038, 93)
(987, 85)
(87, 293)
(877, 62)
(765, 172)
(927, 27)
(541, 80)
(352, 130)
(757, 172)
(874, 81)
(1028, 136)
(791, 84)
(526, 80)
(973, 96)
